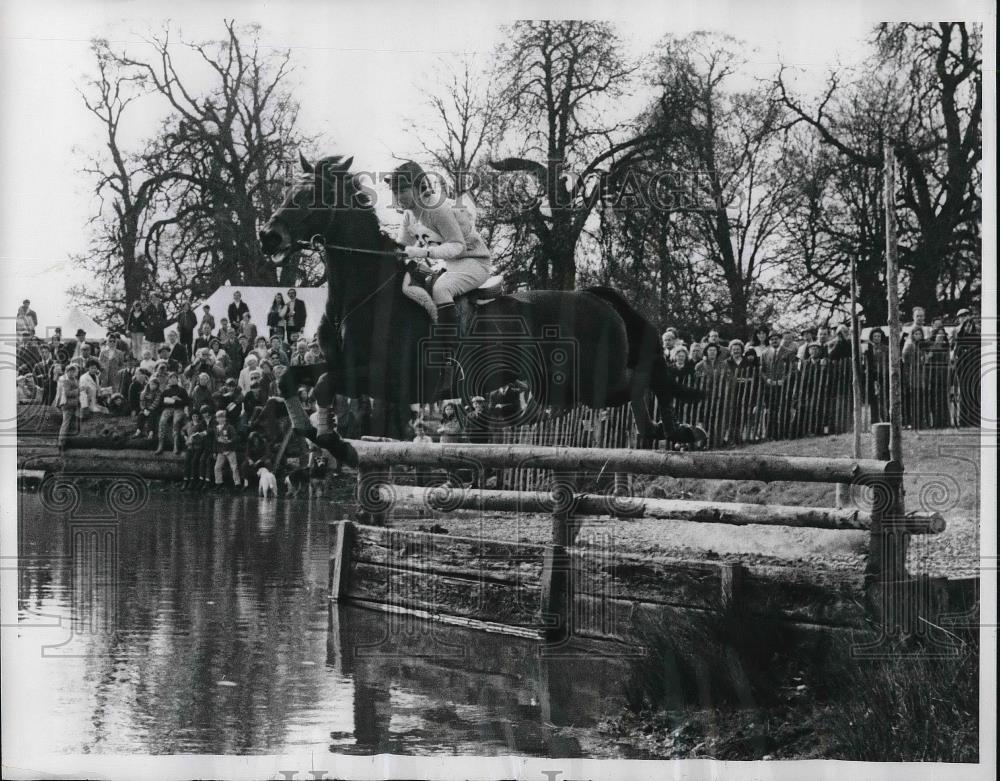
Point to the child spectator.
(149, 412)
(225, 450)
(138, 384)
(195, 436)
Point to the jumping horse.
(569, 347)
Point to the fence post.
(556, 596)
(340, 559)
(886, 568)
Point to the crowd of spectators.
(194, 389)
(777, 375)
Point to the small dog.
(267, 485)
(296, 480)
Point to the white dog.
(267, 485)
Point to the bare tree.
(927, 83)
(561, 78)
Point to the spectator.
(758, 342)
(477, 423)
(178, 356)
(90, 390)
(877, 375)
(247, 328)
(967, 372)
(135, 327)
(111, 360)
(276, 351)
(295, 317)
(256, 455)
(276, 317)
(230, 399)
(225, 329)
(68, 401)
(808, 337)
(668, 341)
(420, 432)
(219, 355)
(250, 364)
(839, 347)
(26, 321)
(163, 356)
(912, 376)
(813, 384)
(681, 365)
(205, 362)
(712, 367)
(187, 322)
(207, 467)
(147, 362)
(234, 355)
(268, 383)
(42, 370)
(156, 319)
(713, 338)
(450, 429)
(936, 370)
(225, 450)
(27, 391)
(919, 317)
(696, 352)
(207, 319)
(61, 352)
(740, 371)
(173, 402)
(204, 339)
(77, 350)
(301, 355)
(315, 353)
(150, 407)
(238, 309)
(253, 400)
(140, 377)
(505, 402)
(202, 394)
(777, 362)
(195, 436)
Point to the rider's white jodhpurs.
(463, 275)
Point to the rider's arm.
(443, 220)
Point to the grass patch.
(728, 685)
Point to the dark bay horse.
(589, 346)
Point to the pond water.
(200, 624)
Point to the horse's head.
(310, 207)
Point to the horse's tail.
(644, 348)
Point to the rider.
(462, 251)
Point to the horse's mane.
(364, 206)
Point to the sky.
(360, 71)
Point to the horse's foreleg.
(321, 435)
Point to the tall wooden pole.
(892, 285)
(856, 358)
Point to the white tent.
(259, 299)
(75, 319)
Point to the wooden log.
(719, 466)
(556, 595)
(437, 593)
(731, 577)
(165, 466)
(733, 513)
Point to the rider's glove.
(416, 252)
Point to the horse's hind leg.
(647, 427)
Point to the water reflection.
(201, 624)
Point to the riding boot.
(446, 338)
